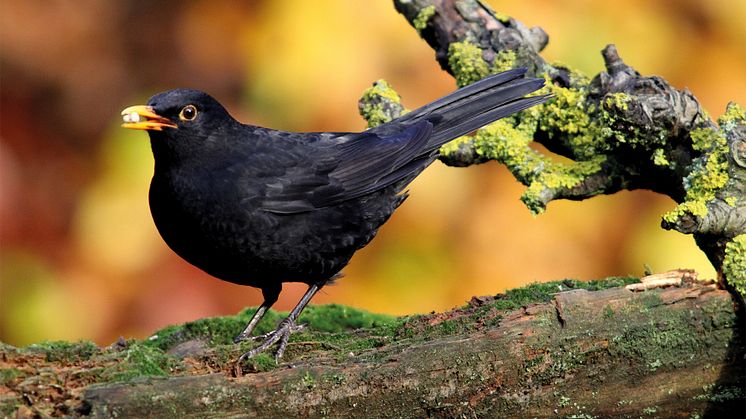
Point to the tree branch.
(530, 353)
(565, 357)
(620, 130)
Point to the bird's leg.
(284, 329)
(270, 297)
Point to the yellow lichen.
(709, 175)
(420, 22)
(508, 143)
(559, 176)
(734, 113)
(374, 101)
(453, 146)
(566, 113)
(466, 62)
(504, 61)
(696, 208)
(618, 100)
(734, 264)
(659, 157)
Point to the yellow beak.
(144, 117)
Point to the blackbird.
(260, 207)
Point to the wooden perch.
(674, 352)
(598, 353)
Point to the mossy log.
(547, 350)
(619, 129)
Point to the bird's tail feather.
(476, 105)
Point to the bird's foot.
(281, 334)
(242, 337)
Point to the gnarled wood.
(674, 352)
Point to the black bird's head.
(179, 121)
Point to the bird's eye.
(188, 113)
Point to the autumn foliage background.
(81, 259)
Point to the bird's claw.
(241, 337)
(281, 334)
(293, 328)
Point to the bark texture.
(604, 353)
(611, 353)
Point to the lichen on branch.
(379, 104)
(618, 130)
(734, 263)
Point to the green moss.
(466, 63)
(263, 362)
(734, 264)
(545, 291)
(608, 312)
(213, 331)
(470, 318)
(420, 328)
(8, 375)
(227, 354)
(308, 380)
(328, 327)
(217, 331)
(659, 344)
(141, 360)
(65, 351)
(661, 339)
(719, 394)
(420, 22)
(708, 176)
(335, 318)
(380, 104)
(334, 378)
(9, 406)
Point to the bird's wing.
(334, 170)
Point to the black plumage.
(259, 207)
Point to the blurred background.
(81, 259)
